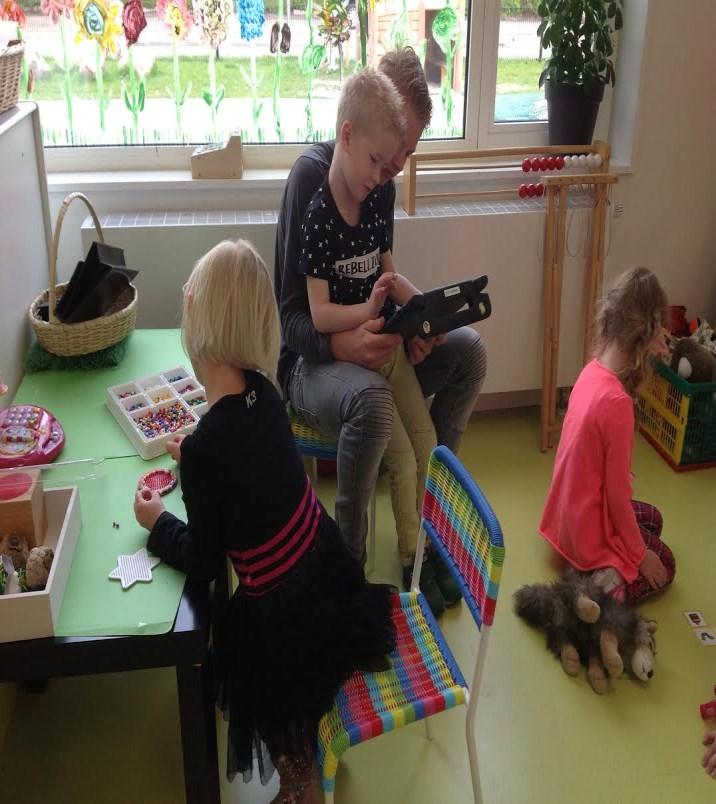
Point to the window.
(171, 72)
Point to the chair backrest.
(464, 530)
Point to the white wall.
(669, 220)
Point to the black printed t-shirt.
(347, 257)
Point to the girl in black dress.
(303, 617)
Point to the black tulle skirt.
(281, 657)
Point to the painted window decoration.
(106, 72)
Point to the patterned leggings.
(650, 523)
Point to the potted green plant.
(579, 35)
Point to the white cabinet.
(25, 234)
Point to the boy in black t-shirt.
(346, 257)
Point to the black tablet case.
(441, 310)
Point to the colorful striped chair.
(314, 444)
(424, 678)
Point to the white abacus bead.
(568, 161)
(582, 160)
(596, 160)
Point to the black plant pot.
(572, 112)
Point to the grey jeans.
(354, 406)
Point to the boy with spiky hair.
(346, 258)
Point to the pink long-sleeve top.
(588, 516)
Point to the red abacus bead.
(531, 190)
(559, 162)
(522, 192)
(526, 165)
(544, 163)
(540, 189)
(536, 164)
(551, 163)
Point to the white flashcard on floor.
(706, 636)
(695, 619)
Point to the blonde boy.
(346, 257)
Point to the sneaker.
(446, 583)
(428, 586)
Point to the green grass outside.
(513, 75)
(518, 75)
(192, 69)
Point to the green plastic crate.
(679, 418)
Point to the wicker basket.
(10, 68)
(84, 337)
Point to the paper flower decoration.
(335, 25)
(133, 20)
(10, 10)
(55, 9)
(176, 16)
(98, 20)
(214, 19)
(250, 14)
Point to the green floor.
(542, 737)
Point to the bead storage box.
(153, 409)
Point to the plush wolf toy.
(586, 626)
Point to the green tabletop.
(93, 604)
(77, 398)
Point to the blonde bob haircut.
(229, 314)
(370, 102)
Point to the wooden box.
(22, 505)
(218, 161)
(31, 615)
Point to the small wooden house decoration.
(218, 161)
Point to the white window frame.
(481, 130)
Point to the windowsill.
(141, 180)
(263, 179)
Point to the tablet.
(441, 310)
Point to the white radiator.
(441, 244)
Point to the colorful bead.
(166, 420)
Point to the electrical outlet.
(618, 209)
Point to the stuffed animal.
(704, 334)
(37, 569)
(615, 637)
(15, 547)
(693, 362)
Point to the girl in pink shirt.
(590, 517)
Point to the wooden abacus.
(555, 187)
